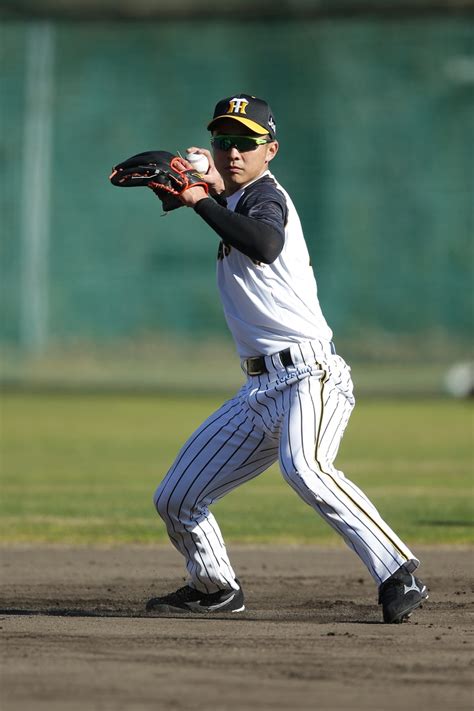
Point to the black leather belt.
(256, 365)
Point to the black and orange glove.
(164, 173)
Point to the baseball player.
(297, 398)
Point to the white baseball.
(199, 162)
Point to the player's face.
(240, 167)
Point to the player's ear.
(272, 150)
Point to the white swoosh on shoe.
(209, 608)
(413, 586)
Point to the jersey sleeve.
(264, 202)
(256, 227)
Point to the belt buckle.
(253, 366)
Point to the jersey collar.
(233, 199)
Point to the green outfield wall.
(376, 124)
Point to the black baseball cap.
(254, 113)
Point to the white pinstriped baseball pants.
(296, 415)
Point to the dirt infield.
(75, 635)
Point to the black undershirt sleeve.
(256, 239)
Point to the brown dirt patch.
(311, 636)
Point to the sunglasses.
(242, 143)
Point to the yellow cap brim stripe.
(255, 127)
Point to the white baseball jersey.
(270, 306)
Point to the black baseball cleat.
(400, 594)
(188, 599)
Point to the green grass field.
(81, 469)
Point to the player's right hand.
(213, 178)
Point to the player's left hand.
(167, 175)
(195, 191)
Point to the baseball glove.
(162, 172)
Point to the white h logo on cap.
(237, 106)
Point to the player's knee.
(311, 483)
(167, 504)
